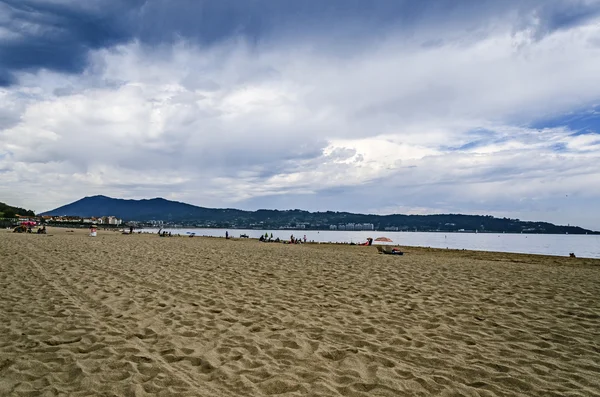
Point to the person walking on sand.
(226, 235)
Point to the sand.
(141, 315)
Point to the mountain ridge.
(160, 209)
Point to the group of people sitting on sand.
(298, 240)
(293, 240)
(268, 239)
(28, 229)
(164, 234)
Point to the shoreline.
(416, 246)
(406, 248)
(595, 233)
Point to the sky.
(382, 106)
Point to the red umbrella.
(384, 239)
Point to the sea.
(583, 246)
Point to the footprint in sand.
(290, 344)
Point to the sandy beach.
(139, 315)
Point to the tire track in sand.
(107, 319)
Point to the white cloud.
(418, 128)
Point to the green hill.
(190, 215)
(7, 211)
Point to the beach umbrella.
(384, 239)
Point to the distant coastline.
(159, 212)
(139, 226)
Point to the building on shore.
(104, 220)
(353, 226)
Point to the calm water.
(585, 246)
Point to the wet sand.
(141, 315)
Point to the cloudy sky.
(381, 106)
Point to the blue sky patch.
(580, 122)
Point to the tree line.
(7, 211)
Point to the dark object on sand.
(244, 236)
(572, 255)
(386, 249)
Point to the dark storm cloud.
(5, 78)
(58, 34)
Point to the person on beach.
(226, 235)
